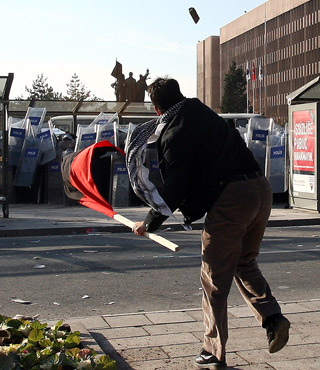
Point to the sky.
(62, 37)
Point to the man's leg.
(214, 305)
(248, 277)
(250, 281)
(225, 226)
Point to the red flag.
(253, 72)
(81, 178)
(78, 173)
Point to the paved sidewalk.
(169, 340)
(46, 219)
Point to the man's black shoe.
(277, 333)
(208, 361)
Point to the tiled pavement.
(169, 340)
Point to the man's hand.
(138, 228)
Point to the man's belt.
(247, 176)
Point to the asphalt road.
(59, 277)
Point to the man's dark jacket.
(199, 153)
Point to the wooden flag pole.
(157, 238)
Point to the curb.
(79, 230)
(63, 231)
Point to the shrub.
(26, 345)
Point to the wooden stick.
(157, 238)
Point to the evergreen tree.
(41, 90)
(234, 99)
(76, 89)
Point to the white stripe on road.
(261, 252)
(291, 251)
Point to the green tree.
(41, 90)
(76, 89)
(234, 99)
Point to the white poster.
(303, 183)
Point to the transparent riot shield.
(258, 131)
(36, 117)
(276, 159)
(28, 161)
(31, 147)
(17, 133)
(101, 128)
(48, 150)
(107, 128)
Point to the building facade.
(278, 42)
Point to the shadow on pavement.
(110, 351)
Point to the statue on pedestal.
(130, 86)
(119, 88)
(118, 85)
(142, 86)
(128, 89)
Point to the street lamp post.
(5, 87)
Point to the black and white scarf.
(135, 152)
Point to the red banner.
(303, 141)
(253, 72)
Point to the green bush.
(26, 345)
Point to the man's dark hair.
(164, 93)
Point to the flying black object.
(194, 15)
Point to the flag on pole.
(84, 181)
(253, 72)
(83, 178)
(248, 77)
(117, 70)
(260, 72)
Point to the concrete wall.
(269, 10)
(208, 71)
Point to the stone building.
(278, 40)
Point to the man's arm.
(179, 154)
